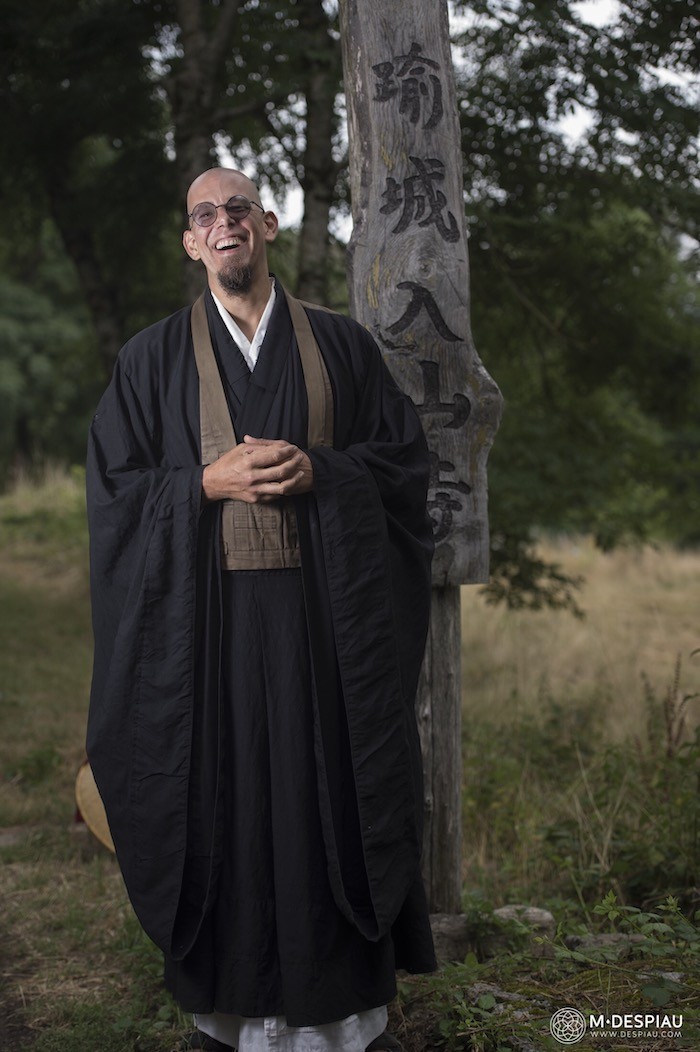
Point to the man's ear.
(271, 224)
(189, 243)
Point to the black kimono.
(253, 733)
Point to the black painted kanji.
(423, 203)
(409, 77)
(444, 497)
(422, 298)
(459, 409)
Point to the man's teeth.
(228, 242)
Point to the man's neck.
(246, 308)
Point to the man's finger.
(250, 441)
(265, 456)
(269, 491)
(277, 445)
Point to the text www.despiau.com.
(635, 1024)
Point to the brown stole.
(258, 536)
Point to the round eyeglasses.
(237, 207)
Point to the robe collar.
(250, 349)
(255, 390)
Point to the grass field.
(642, 612)
(581, 778)
(569, 723)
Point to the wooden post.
(409, 284)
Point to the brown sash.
(258, 536)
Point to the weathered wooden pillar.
(409, 284)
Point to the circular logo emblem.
(567, 1026)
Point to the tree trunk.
(191, 98)
(195, 90)
(409, 285)
(77, 238)
(194, 102)
(438, 708)
(319, 169)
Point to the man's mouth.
(227, 243)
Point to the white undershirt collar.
(250, 349)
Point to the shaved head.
(232, 247)
(229, 180)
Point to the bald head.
(218, 184)
(232, 247)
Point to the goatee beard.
(236, 280)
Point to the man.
(260, 559)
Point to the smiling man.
(260, 561)
(233, 250)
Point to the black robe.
(155, 725)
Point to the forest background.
(579, 133)
(583, 247)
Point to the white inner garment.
(273, 1035)
(250, 349)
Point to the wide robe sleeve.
(370, 532)
(145, 525)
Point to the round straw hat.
(90, 805)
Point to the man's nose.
(222, 215)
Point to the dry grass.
(77, 975)
(555, 804)
(641, 609)
(81, 904)
(46, 649)
(80, 975)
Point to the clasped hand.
(258, 471)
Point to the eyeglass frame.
(235, 197)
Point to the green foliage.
(85, 129)
(583, 251)
(635, 815)
(521, 579)
(584, 290)
(664, 936)
(557, 804)
(37, 766)
(45, 517)
(45, 385)
(86, 1027)
(634, 79)
(46, 652)
(464, 1021)
(502, 999)
(597, 400)
(275, 61)
(145, 1025)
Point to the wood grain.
(408, 264)
(409, 285)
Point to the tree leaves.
(584, 293)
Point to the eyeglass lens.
(238, 207)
